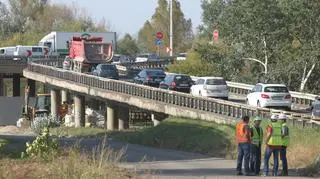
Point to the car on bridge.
(270, 95)
(147, 57)
(177, 82)
(106, 71)
(215, 87)
(150, 77)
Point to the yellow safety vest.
(285, 139)
(256, 138)
(275, 139)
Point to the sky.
(128, 16)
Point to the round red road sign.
(159, 35)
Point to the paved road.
(159, 163)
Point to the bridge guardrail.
(221, 107)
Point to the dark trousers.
(267, 155)
(255, 158)
(243, 154)
(283, 157)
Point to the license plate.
(277, 97)
(158, 80)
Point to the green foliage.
(25, 22)
(43, 146)
(276, 30)
(160, 22)
(194, 65)
(128, 46)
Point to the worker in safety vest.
(315, 107)
(285, 143)
(273, 145)
(243, 138)
(256, 141)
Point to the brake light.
(264, 96)
(173, 84)
(288, 96)
(148, 78)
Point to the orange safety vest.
(240, 133)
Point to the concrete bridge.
(121, 95)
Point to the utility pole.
(171, 30)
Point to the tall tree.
(128, 46)
(160, 22)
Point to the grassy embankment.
(209, 138)
(69, 163)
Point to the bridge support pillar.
(123, 117)
(32, 88)
(2, 86)
(16, 85)
(55, 101)
(157, 117)
(64, 96)
(79, 105)
(111, 117)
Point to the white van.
(7, 51)
(29, 51)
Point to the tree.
(128, 46)
(160, 22)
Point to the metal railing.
(221, 107)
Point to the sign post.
(158, 42)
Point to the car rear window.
(216, 82)
(108, 67)
(182, 78)
(276, 89)
(156, 73)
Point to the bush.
(39, 123)
(192, 66)
(43, 146)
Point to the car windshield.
(276, 89)
(107, 67)
(216, 82)
(182, 78)
(155, 73)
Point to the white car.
(146, 57)
(269, 95)
(182, 56)
(215, 87)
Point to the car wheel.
(288, 109)
(258, 104)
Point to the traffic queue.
(249, 139)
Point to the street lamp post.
(171, 30)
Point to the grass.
(102, 162)
(78, 132)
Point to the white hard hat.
(274, 116)
(282, 116)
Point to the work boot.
(239, 173)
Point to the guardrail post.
(79, 108)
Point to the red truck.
(87, 52)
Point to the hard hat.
(257, 119)
(274, 117)
(282, 116)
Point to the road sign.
(158, 42)
(159, 35)
(215, 34)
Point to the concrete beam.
(79, 116)
(123, 117)
(64, 96)
(32, 87)
(54, 103)
(111, 117)
(16, 85)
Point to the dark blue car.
(150, 77)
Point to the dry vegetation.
(102, 162)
